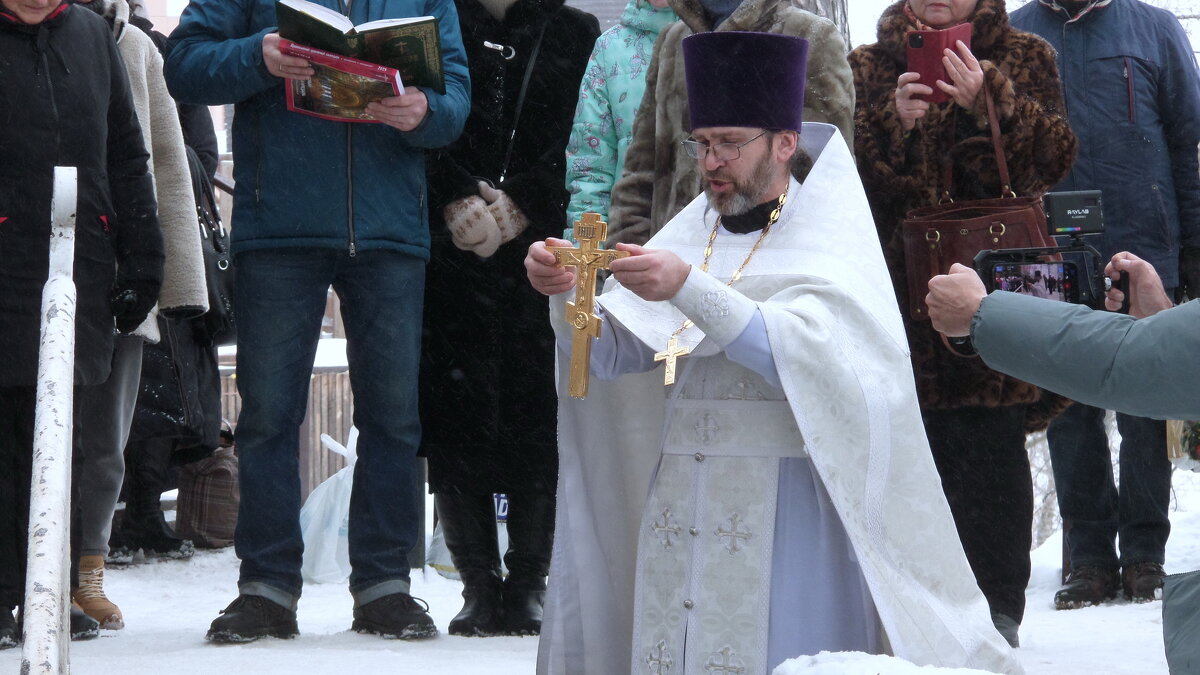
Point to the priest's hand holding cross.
(653, 275)
(650, 274)
(546, 265)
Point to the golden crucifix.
(670, 354)
(590, 231)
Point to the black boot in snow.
(398, 616)
(150, 533)
(9, 635)
(83, 627)
(530, 537)
(120, 551)
(469, 530)
(250, 617)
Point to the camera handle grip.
(1121, 284)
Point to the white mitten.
(472, 226)
(508, 217)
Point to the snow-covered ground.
(168, 605)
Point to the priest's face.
(734, 186)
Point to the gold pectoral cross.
(670, 354)
(589, 258)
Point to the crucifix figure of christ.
(590, 230)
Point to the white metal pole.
(47, 586)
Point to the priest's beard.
(746, 194)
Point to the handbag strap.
(512, 136)
(997, 146)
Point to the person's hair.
(800, 164)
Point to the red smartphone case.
(925, 51)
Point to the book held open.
(342, 86)
(411, 45)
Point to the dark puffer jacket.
(902, 171)
(487, 368)
(68, 103)
(1133, 97)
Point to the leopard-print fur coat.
(901, 171)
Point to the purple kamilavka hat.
(737, 79)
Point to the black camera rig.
(1073, 272)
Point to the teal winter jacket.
(306, 181)
(609, 96)
(1145, 367)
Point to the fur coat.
(183, 289)
(487, 359)
(659, 178)
(902, 171)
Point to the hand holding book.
(404, 112)
(283, 65)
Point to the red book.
(342, 86)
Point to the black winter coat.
(67, 103)
(487, 372)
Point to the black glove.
(1189, 271)
(131, 301)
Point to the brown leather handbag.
(937, 236)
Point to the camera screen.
(1053, 280)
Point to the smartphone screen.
(925, 51)
(1052, 280)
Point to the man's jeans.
(1089, 499)
(279, 303)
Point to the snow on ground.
(168, 606)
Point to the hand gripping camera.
(1071, 273)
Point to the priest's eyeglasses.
(725, 152)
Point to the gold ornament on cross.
(588, 258)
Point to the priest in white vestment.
(779, 498)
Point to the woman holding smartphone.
(976, 418)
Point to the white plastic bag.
(325, 519)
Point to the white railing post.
(47, 586)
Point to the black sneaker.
(1087, 585)
(9, 635)
(1143, 581)
(395, 616)
(83, 627)
(251, 617)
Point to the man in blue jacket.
(1133, 100)
(322, 203)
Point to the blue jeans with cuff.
(279, 304)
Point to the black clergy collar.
(751, 221)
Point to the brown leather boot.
(90, 594)
(1143, 581)
(1087, 585)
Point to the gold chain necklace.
(673, 350)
